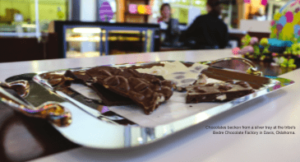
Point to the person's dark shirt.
(208, 31)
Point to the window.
(30, 17)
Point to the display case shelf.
(86, 39)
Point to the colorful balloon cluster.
(263, 2)
(286, 24)
(284, 42)
(250, 45)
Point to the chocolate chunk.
(198, 89)
(187, 82)
(231, 81)
(102, 71)
(201, 81)
(217, 92)
(150, 65)
(144, 89)
(243, 84)
(56, 80)
(168, 83)
(110, 98)
(141, 87)
(225, 87)
(78, 76)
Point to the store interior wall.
(180, 9)
(48, 9)
(88, 10)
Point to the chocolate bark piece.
(177, 72)
(56, 80)
(217, 92)
(145, 90)
(78, 76)
(145, 66)
(202, 80)
(185, 76)
(110, 98)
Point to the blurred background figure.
(208, 31)
(165, 12)
(172, 34)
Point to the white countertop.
(280, 108)
(237, 31)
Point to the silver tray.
(92, 125)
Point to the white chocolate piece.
(177, 72)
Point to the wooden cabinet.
(125, 15)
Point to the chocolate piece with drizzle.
(145, 90)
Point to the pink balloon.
(264, 2)
(253, 40)
(272, 22)
(247, 49)
(236, 50)
(289, 16)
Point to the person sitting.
(208, 31)
(172, 32)
(165, 12)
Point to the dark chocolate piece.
(110, 98)
(57, 81)
(144, 89)
(200, 81)
(217, 92)
(150, 65)
(144, 66)
(78, 76)
(255, 82)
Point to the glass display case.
(83, 42)
(86, 39)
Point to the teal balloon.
(282, 20)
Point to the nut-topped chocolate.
(78, 76)
(144, 89)
(57, 81)
(217, 92)
(108, 97)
